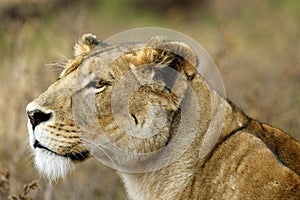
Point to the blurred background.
(254, 43)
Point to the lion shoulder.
(284, 147)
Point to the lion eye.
(99, 85)
(98, 90)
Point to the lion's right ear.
(86, 44)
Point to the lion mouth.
(78, 156)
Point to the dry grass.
(255, 44)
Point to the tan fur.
(86, 44)
(250, 160)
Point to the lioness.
(170, 102)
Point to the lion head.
(129, 94)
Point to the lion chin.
(54, 167)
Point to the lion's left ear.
(161, 61)
(183, 58)
(170, 64)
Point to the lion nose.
(36, 117)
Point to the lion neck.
(164, 183)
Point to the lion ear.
(162, 61)
(178, 63)
(182, 56)
(86, 44)
(167, 63)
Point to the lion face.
(125, 93)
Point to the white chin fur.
(53, 166)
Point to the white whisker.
(58, 64)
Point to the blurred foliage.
(255, 44)
(27, 189)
